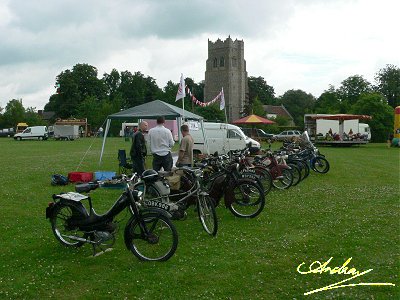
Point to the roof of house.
(279, 110)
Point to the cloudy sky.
(292, 44)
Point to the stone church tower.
(226, 68)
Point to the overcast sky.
(292, 44)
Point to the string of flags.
(183, 91)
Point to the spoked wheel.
(285, 181)
(63, 228)
(305, 169)
(265, 178)
(249, 199)
(296, 173)
(152, 239)
(207, 214)
(320, 165)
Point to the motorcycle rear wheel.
(62, 226)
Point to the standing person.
(161, 142)
(185, 155)
(138, 149)
(390, 139)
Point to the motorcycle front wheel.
(153, 238)
(320, 165)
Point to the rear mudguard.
(76, 204)
(144, 213)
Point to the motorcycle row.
(154, 202)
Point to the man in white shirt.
(161, 142)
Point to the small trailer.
(66, 132)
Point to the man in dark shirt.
(138, 149)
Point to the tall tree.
(374, 104)
(351, 89)
(328, 102)
(74, 87)
(298, 103)
(112, 82)
(32, 117)
(14, 113)
(388, 83)
(258, 87)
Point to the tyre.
(296, 174)
(265, 178)
(40, 138)
(19, 138)
(249, 199)
(207, 214)
(285, 181)
(153, 239)
(306, 171)
(63, 228)
(320, 165)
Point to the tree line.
(80, 93)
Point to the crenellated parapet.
(218, 44)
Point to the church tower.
(226, 68)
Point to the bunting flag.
(181, 89)
(204, 104)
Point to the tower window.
(222, 62)
(215, 62)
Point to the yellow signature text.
(320, 268)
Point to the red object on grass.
(80, 176)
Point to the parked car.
(257, 133)
(287, 135)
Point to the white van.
(220, 137)
(33, 133)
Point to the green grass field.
(351, 212)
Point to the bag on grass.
(58, 179)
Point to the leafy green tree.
(14, 113)
(112, 82)
(388, 83)
(375, 105)
(350, 91)
(298, 103)
(257, 108)
(211, 113)
(32, 117)
(258, 88)
(137, 89)
(328, 102)
(169, 92)
(74, 87)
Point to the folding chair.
(123, 165)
